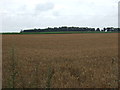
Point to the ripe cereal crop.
(60, 60)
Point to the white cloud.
(44, 6)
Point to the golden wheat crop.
(60, 60)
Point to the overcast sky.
(23, 14)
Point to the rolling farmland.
(88, 60)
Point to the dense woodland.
(59, 29)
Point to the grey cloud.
(22, 8)
(44, 7)
(56, 13)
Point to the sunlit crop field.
(60, 60)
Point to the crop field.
(88, 60)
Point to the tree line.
(65, 28)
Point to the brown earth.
(60, 61)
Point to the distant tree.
(97, 29)
(104, 29)
(35, 29)
(109, 29)
(65, 28)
